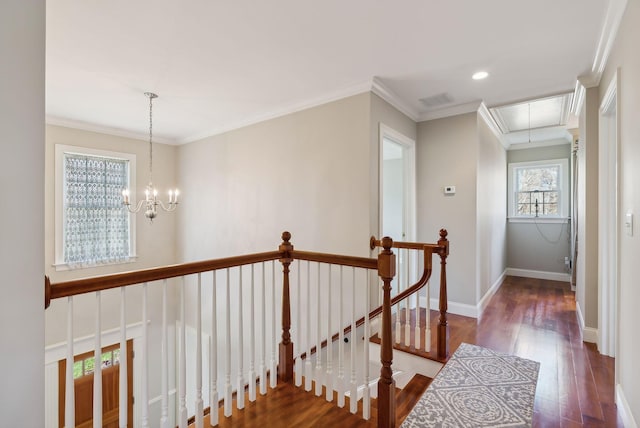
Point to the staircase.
(288, 405)
(286, 376)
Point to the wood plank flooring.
(531, 318)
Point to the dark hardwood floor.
(536, 319)
(531, 318)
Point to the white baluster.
(418, 329)
(124, 352)
(97, 368)
(407, 310)
(366, 398)
(273, 369)
(263, 325)
(353, 399)
(227, 369)
(308, 375)
(329, 375)
(199, 404)
(213, 355)
(399, 306)
(298, 329)
(340, 383)
(164, 410)
(144, 417)
(252, 338)
(240, 390)
(69, 396)
(427, 319)
(182, 377)
(318, 374)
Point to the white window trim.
(563, 187)
(61, 150)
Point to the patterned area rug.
(478, 388)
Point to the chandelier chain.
(150, 139)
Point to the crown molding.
(380, 89)
(282, 111)
(488, 118)
(92, 127)
(450, 111)
(615, 12)
(536, 144)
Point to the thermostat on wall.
(449, 190)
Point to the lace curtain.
(96, 225)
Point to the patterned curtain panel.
(96, 224)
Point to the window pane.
(537, 178)
(106, 359)
(77, 369)
(89, 365)
(116, 356)
(96, 226)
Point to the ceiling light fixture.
(480, 75)
(151, 201)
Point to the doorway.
(83, 369)
(398, 194)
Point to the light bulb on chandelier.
(151, 201)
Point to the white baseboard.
(539, 274)
(489, 294)
(589, 334)
(624, 410)
(456, 308)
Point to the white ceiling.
(217, 65)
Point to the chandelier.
(151, 201)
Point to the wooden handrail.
(358, 262)
(106, 282)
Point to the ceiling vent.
(437, 100)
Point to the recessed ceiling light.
(480, 75)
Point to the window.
(92, 225)
(538, 190)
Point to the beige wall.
(625, 59)
(447, 154)
(587, 188)
(307, 172)
(22, 85)
(491, 209)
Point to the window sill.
(60, 267)
(539, 220)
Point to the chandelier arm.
(136, 209)
(171, 207)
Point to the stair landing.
(290, 406)
(456, 324)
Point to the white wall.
(22, 47)
(447, 154)
(491, 210)
(539, 247)
(625, 56)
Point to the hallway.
(536, 319)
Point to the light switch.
(628, 223)
(449, 190)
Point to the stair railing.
(403, 302)
(289, 361)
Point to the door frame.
(608, 219)
(409, 147)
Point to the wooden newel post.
(285, 368)
(386, 384)
(443, 326)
